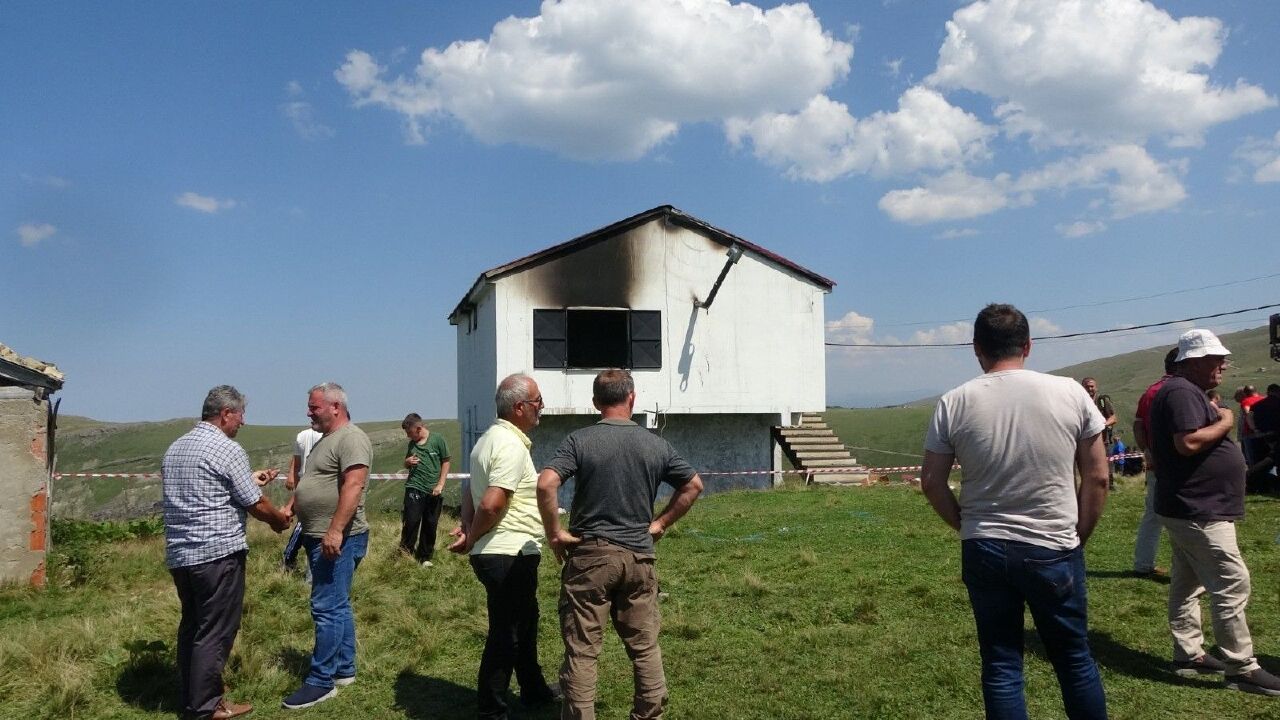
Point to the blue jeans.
(335, 651)
(1004, 577)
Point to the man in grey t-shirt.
(610, 543)
(1019, 435)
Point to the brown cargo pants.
(602, 580)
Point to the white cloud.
(32, 234)
(1079, 228)
(610, 79)
(954, 233)
(893, 67)
(1043, 326)
(953, 196)
(302, 115)
(1264, 156)
(852, 328)
(956, 332)
(1134, 182)
(1131, 179)
(824, 141)
(52, 181)
(1093, 71)
(203, 203)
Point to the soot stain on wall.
(603, 275)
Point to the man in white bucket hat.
(1199, 498)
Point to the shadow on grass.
(149, 681)
(1127, 575)
(1124, 660)
(425, 697)
(295, 662)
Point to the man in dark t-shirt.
(1199, 497)
(609, 571)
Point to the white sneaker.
(427, 563)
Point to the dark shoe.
(1206, 664)
(550, 696)
(227, 710)
(306, 696)
(1155, 573)
(1256, 681)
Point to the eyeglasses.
(535, 401)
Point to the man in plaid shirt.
(208, 487)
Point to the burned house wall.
(477, 376)
(710, 443)
(758, 349)
(24, 531)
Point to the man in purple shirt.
(1199, 498)
(208, 488)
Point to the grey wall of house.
(23, 476)
(708, 442)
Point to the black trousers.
(418, 523)
(511, 590)
(212, 597)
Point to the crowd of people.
(508, 508)
(1035, 478)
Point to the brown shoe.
(227, 710)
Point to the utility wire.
(1101, 303)
(1059, 337)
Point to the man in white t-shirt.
(302, 445)
(1019, 436)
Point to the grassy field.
(797, 603)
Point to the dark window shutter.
(646, 339)
(550, 349)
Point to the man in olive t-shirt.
(427, 459)
(329, 502)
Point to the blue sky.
(258, 194)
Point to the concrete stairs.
(813, 445)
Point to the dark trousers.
(418, 523)
(1006, 577)
(511, 590)
(212, 596)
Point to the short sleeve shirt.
(316, 498)
(501, 459)
(618, 466)
(1015, 434)
(303, 443)
(207, 485)
(431, 454)
(1208, 485)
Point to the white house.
(724, 339)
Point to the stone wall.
(24, 527)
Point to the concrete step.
(830, 463)
(840, 479)
(807, 455)
(799, 440)
(825, 447)
(814, 426)
(806, 432)
(805, 417)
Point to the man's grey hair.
(332, 391)
(221, 398)
(512, 390)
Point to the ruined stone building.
(27, 422)
(723, 337)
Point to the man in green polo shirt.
(427, 459)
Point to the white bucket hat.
(1199, 343)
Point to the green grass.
(817, 603)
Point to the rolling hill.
(879, 437)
